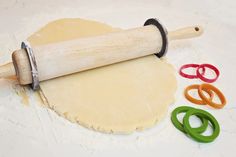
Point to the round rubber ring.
(195, 135)
(163, 32)
(203, 78)
(180, 126)
(194, 100)
(205, 87)
(190, 66)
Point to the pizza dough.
(118, 98)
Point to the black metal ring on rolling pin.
(163, 32)
(34, 70)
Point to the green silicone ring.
(195, 135)
(180, 126)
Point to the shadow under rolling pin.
(63, 58)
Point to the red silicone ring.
(190, 66)
(201, 76)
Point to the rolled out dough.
(119, 98)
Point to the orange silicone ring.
(206, 86)
(194, 100)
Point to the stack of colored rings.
(200, 71)
(195, 133)
(210, 90)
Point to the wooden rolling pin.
(63, 58)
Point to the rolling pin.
(34, 64)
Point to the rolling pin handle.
(7, 70)
(185, 33)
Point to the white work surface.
(33, 130)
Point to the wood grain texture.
(68, 57)
(63, 58)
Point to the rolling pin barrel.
(63, 58)
(73, 56)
